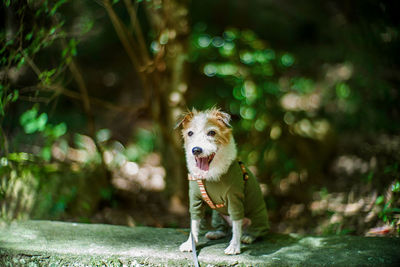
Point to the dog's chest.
(220, 191)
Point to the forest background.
(91, 90)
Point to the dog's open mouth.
(203, 163)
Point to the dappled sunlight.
(295, 211)
(343, 210)
(264, 189)
(20, 196)
(147, 177)
(130, 168)
(317, 129)
(275, 132)
(351, 164)
(84, 152)
(297, 102)
(291, 181)
(132, 177)
(127, 175)
(339, 72)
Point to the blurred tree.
(162, 72)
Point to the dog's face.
(207, 139)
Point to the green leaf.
(30, 127)
(396, 187)
(18, 157)
(52, 30)
(21, 62)
(342, 90)
(379, 200)
(29, 36)
(45, 76)
(287, 60)
(72, 46)
(395, 210)
(15, 96)
(28, 116)
(56, 6)
(41, 122)
(64, 52)
(59, 130)
(46, 153)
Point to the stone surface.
(47, 243)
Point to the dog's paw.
(186, 246)
(213, 235)
(247, 239)
(232, 249)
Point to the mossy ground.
(47, 243)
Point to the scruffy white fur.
(200, 124)
(222, 160)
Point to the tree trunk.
(163, 77)
(169, 86)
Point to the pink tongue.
(202, 163)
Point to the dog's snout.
(197, 151)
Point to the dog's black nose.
(197, 151)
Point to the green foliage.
(33, 122)
(390, 207)
(36, 27)
(29, 187)
(36, 31)
(144, 143)
(396, 187)
(252, 74)
(7, 97)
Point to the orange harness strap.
(204, 194)
(243, 168)
(203, 191)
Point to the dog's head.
(208, 142)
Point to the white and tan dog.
(211, 157)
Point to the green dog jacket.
(233, 196)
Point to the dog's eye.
(190, 133)
(211, 133)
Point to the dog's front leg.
(195, 227)
(234, 245)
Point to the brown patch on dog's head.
(221, 120)
(185, 119)
(223, 117)
(214, 117)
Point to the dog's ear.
(224, 117)
(184, 118)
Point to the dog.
(218, 179)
